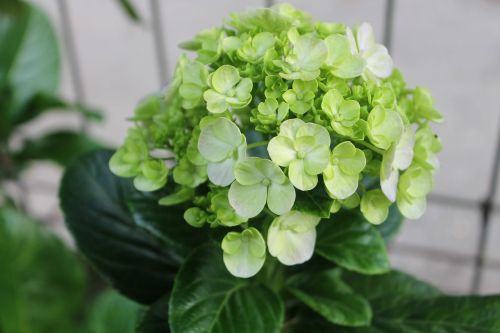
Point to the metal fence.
(486, 207)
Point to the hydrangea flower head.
(275, 114)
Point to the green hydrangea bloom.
(222, 145)
(375, 206)
(302, 147)
(226, 215)
(244, 253)
(307, 55)
(384, 127)
(292, 236)
(414, 185)
(298, 87)
(344, 115)
(152, 176)
(341, 176)
(398, 157)
(301, 97)
(259, 181)
(254, 48)
(423, 105)
(228, 90)
(376, 57)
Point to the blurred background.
(110, 61)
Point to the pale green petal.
(411, 208)
(317, 160)
(331, 103)
(379, 62)
(289, 247)
(290, 127)
(350, 67)
(244, 253)
(319, 133)
(375, 206)
(403, 155)
(298, 221)
(218, 139)
(247, 201)
(216, 103)
(299, 178)
(338, 49)
(248, 171)
(384, 127)
(281, 150)
(350, 159)
(221, 173)
(416, 181)
(339, 184)
(280, 197)
(244, 88)
(270, 170)
(389, 176)
(225, 78)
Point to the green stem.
(257, 144)
(369, 145)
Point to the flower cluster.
(273, 105)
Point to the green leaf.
(392, 224)
(60, 147)
(113, 313)
(30, 63)
(315, 202)
(328, 295)
(351, 242)
(207, 299)
(113, 238)
(155, 319)
(42, 283)
(403, 304)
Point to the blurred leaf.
(118, 229)
(206, 298)
(60, 147)
(130, 10)
(41, 282)
(41, 103)
(113, 313)
(314, 202)
(155, 319)
(329, 296)
(29, 63)
(351, 242)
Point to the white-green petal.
(216, 103)
(218, 139)
(248, 201)
(339, 184)
(280, 197)
(379, 62)
(299, 177)
(290, 127)
(389, 175)
(403, 155)
(365, 37)
(244, 253)
(375, 206)
(225, 78)
(221, 173)
(317, 160)
(319, 133)
(281, 150)
(411, 208)
(247, 172)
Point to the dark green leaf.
(30, 63)
(60, 147)
(113, 313)
(328, 295)
(207, 299)
(155, 319)
(315, 202)
(94, 202)
(41, 282)
(351, 242)
(392, 224)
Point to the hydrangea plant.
(280, 157)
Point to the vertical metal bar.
(388, 23)
(72, 56)
(486, 210)
(159, 42)
(268, 3)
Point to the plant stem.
(257, 144)
(369, 145)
